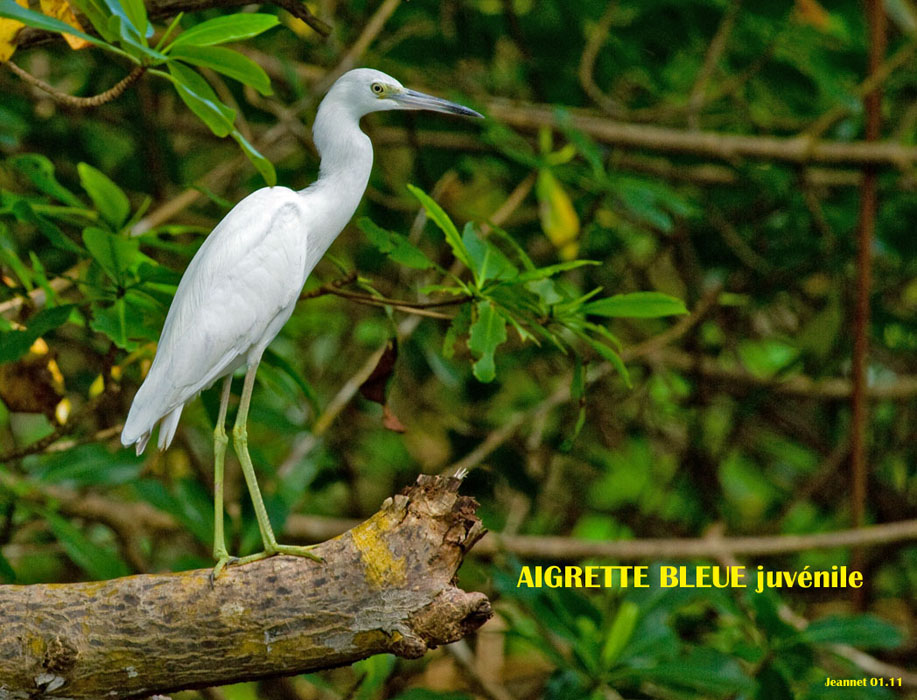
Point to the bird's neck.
(347, 159)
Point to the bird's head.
(365, 90)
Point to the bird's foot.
(291, 549)
(223, 559)
(295, 550)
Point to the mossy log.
(386, 586)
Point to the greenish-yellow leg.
(219, 457)
(240, 443)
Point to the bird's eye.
(378, 88)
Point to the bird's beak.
(411, 99)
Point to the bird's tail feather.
(143, 417)
(168, 426)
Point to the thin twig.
(874, 81)
(37, 298)
(113, 93)
(359, 47)
(594, 43)
(329, 287)
(712, 56)
(903, 388)
(461, 652)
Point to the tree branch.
(566, 549)
(385, 586)
(903, 388)
(709, 144)
(113, 93)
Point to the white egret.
(243, 283)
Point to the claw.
(222, 562)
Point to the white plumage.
(243, 282)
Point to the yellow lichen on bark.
(383, 568)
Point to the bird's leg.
(219, 457)
(240, 442)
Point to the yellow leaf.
(60, 9)
(9, 28)
(39, 347)
(97, 387)
(558, 217)
(62, 410)
(810, 12)
(299, 28)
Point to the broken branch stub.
(386, 586)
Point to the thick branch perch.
(384, 586)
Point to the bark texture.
(387, 585)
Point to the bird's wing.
(237, 292)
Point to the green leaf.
(130, 319)
(262, 164)
(108, 198)
(866, 631)
(200, 98)
(98, 562)
(98, 17)
(9, 256)
(227, 62)
(487, 332)
(766, 357)
(131, 21)
(23, 211)
(487, 261)
(620, 633)
(40, 172)
(611, 356)
(459, 326)
(636, 305)
(380, 238)
(221, 30)
(546, 290)
(551, 270)
(135, 13)
(442, 220)
(115, 254)
(397, 247)
(112, 322)
(496, 231)
(707, 670)
(17, 343)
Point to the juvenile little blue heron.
(243, 283)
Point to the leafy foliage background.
(708, 435)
